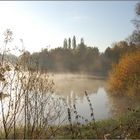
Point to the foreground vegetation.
(125, 126)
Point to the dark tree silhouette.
(74, 42)
(69, 43)
(65, 45)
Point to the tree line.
(77, 58)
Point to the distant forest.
(75, 58)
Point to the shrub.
(125, 76)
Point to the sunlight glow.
(42, 24)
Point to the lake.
(73, 87)
(69, 90)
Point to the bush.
(125, 76)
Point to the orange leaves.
(125, 77)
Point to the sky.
(45, 24)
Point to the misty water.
(73, 87)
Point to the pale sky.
(47, 23)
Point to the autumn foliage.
(125, 76)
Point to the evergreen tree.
(74, 42)
(69, 43)
(65, 45)
(82, 41)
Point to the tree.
(25, 60)
(137, 21)
(74, 42)
(82, 41)
(69, 43)
(135, 36)
(125, 76)
(65, 45)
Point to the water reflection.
(100, 103)
(119, 105)
(73, 87)
(68, 83)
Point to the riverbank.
(125, 126)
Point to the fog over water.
(72, 87)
